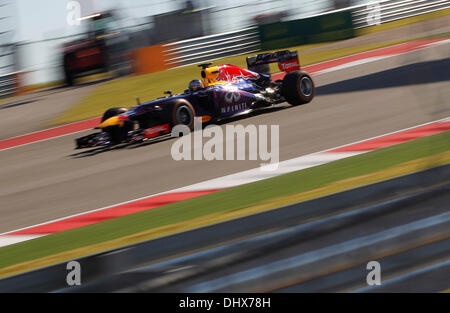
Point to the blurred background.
(35, 37)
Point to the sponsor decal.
(233, 74)
(232, 96)
(155, 131)
(289, 66)
(234, 108)
(206, 118)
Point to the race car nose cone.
(112, 121)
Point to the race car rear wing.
(287, 61)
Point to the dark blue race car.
(224, 91)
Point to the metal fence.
(384, 11)
(8, 77)
(212, 47)
(8, 85)
(247, 40)
(202, 49)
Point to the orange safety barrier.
(149, 60)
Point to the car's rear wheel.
(298, 88)
(183, 113)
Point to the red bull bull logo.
(231, 73)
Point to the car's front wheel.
(116, 133)
(183, 113)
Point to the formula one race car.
(224, 91)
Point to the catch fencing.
(251, 39)
(212, 47)
(42, 65)
(8, 85)
(384, 11)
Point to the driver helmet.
(195, 85)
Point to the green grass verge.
(231, 200)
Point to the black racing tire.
(298, 88)
(116, 133)
(183, 113)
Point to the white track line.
(257, 174)
(10, 240)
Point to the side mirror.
(168, 92)
(138, 100)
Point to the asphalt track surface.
(48, 180)
(31, 112)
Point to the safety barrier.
(205, 48)
(149, 59)
(334, 25)
(8, 85)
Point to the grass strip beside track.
(239, 201)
